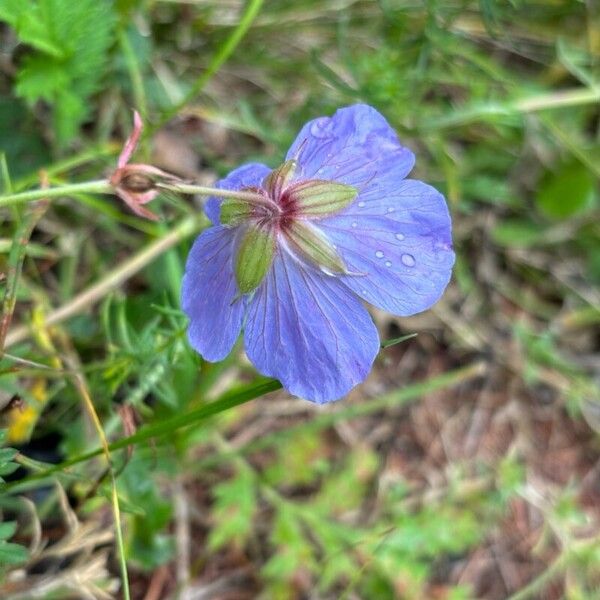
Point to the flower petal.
(306, 330)
(209, 293)
(250, 175)
(354, 146)
(397, 238)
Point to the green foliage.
(70, 42)
(148, 544)
(234, 510)
(10, 554)
(352, 500)
(7, 464)
(567, 190)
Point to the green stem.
(101, 186)
(188, 188)
(224, 52)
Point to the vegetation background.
(468, 464)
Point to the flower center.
(285, 213)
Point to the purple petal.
(396, 237)
(208, 294)
(353, 147)
(308, 331)
(250, 175)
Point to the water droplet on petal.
(361, 204)
(319, 127)
(400, 236)
(354, 224)
(408, 260)
(363, 292)
(379, 254)
(388, 263)
(390, 209)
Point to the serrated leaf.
(566, 191)
(40, 78)
(72, 40)
(235, 506)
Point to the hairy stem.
(103, 186)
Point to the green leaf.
(71, 42)
(317, 198)
(40, 78)
(254, 258)
(517, 233)
(12, 554)
(7, 530)
(566, 191)
(234, 510)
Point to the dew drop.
(361, 204)
(390, 209)
(400, 236)
(354, 224)
(363, 292)
(388, 263)
(319, 127)
(379, 254)
(408, 260)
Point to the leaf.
(517, 233)
(566, 191)
(40, 78)
(234, 510)
(71, 41)
(12, 554)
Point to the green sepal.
(234, 211)
(278, 179)
(313, 246)
(318, 198)
(254, 258)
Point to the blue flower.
(337, 224)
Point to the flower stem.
(101, 186)
(187, 188)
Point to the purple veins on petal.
(353, 146)
(339, 224)
(209, 294)
(406, 255)
(306, 330)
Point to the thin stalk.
(225, 51)
(15, 265)
(189, 188)
(84, 393)
(103, 186)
